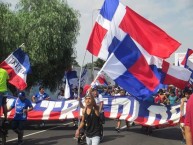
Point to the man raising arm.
(91, 121)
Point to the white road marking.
(39, 132)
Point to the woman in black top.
(91, 121)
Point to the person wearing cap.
(22, 106)
(90, 121)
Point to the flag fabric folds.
(188, 64)
(188, 53)
(121, 107)
(72, 78)
(175, 75)
(115, 21)
(140, 73)
(17, 65)
(83, 76)
(128, 67)
(134, 50)
(68, 91)
(71, 82)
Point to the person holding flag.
(91, 121)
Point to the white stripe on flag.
(46, 113)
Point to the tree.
(9, 31)
(99, 63)
(48, 29)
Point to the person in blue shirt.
(41, 95)
(38, 97)
(22, 106)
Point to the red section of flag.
(102, 80)
(14, 79)
(96, 38)
(144, 74)
(154, 40)
(169, 79)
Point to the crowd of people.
(93, 107)
(165, 96)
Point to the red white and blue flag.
(141, 74)
(71, 82)
(187, 63)
(83, 76)
(115, 21)
(17, 65)
(188, 53)
(102, 80)
(135, 49)
(175, 75)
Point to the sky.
(173, 16)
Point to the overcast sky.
(173, 16)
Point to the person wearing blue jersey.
(22, 106)
(38, 97)
(41, 95)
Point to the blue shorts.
(18, 124)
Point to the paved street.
(62, 134)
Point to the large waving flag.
(140, 73)
(115, 21)
(17, 65)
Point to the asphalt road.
(62, 133)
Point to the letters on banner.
(124, 108)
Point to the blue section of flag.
(109, 8)
(189, 64)
(113, 45)
(71, 75)
(127, 53)
(23, 58)
(84, 72)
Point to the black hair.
(41, 87)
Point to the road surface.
(62, 133)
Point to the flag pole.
(79, 99)
(104, 65)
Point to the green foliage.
(49, 29)
(99, 63)
(9, 31)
